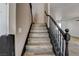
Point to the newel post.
(67, 38)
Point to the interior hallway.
(16, 19)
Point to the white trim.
(7, 5)
(48, 13)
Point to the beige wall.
(23, 22)
(38, 12)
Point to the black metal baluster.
(60, 42)
(67, 38)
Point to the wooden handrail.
(55, 24)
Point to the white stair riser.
(47, 53)
(38, 25)
(39, 46)
(38, 31)
(38, 35)
(38, 28)
(34, 48)
(38, 42)
(47, 38)
(39, 50)
(41, 40)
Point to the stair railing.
(59, 38)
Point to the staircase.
(38, 42)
